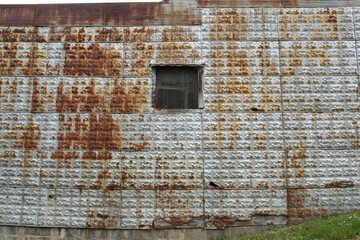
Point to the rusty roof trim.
(170, 12)
(320, 3)
(69, 14)
(17, 15)
(278, 3)
(127, 14)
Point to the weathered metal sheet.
(171, 12)
(320, 3)
(69, 15)
(17, 15)
(225, 208)
(131, 14)
(82, 145)
(240, 3)
(309, 24)
(278, 3)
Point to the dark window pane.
(170, 99)
(181, 84)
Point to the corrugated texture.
(17, 15)
(108, 14)
(240, 3)
(278, 138)
(69, 15)
(278, 3)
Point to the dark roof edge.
(279, 3)
(167, 12)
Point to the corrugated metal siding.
(82, 146)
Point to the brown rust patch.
(96, 135)
(8, 59)
(52, 197)
(30, 138)
(69, 34)
(177, 221)
(298, 210)
(127, 100)
(101, 181)
(95, 98)
(91, 139)
(41, 98)
(36, 101)
(340, 184)
(101, 220)
(222, 222)
(21, 35)
(267, 64)
(28, 142)
(92, 60)
(33, 66)
(109, 35)
(78, 99)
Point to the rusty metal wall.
(82, 145)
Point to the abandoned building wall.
(82, 145)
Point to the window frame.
(200, 87)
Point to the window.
(178, 88)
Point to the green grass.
(332, 228)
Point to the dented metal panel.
(83, 146)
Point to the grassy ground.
(332, 228)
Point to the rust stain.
(51, 197)
(30, 138)
(77, 99)
(98, 133)
(177, 221)
(91, 139)
(325, 24)
(92, 60)
(21, 35)
(267, 64)
(222, 222)
(40, 98)
(32, 67)
(8, 59)
(263, 185)
(109, 35)
(127, 100)
(28, 141)
(122, 98)
(340, 184)
(101, 181)
(101, 220)
(69, 34)
(297, 209)
(36, 101)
